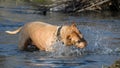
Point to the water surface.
(101, 30)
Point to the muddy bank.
(116, 64)
(76, 5)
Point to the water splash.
(62, 50)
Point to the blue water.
(101, 30)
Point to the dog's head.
(74, 37)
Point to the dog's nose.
(82, 45)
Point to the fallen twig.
(94, 6)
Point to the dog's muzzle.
(81, 44)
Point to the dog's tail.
(15, 31)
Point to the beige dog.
(44, 35)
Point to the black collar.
(58, 32)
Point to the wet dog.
(43, 35)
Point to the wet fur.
(43, 36)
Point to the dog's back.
(42, 24)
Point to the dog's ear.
(68, 37)
(73, 24)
